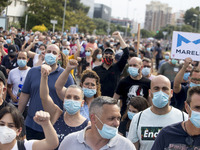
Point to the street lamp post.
(63, 25)
(195, 15)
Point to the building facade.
(89, 3)
(102, 11)
(157, 15)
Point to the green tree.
(42, 11)
(145, 33)
(189, 17)
(4, 4)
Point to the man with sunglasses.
(180, 91)
(186, 134)
(110, 72)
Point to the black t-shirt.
(109, 78)
(181, 97)
(4, 104)
(8, 63)
(173, 137)
(129, 88)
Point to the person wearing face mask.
(146, 125)
(166, 59)
(135, 105)
(185, 134)
(89, 82)
(11, 123)
(10, 60)
(169, 69)
(86, 62)
(180, 91)
(68, 120)
(31, 93)
(38, 58)
(146, 68)
(16, 79)
(110, 72)
(133, 85)
(103, 132)
(97, 58)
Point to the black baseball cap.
(12, 50)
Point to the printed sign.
(73, 30)
(185, 44)
(149, 133)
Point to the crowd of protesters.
(79, 91)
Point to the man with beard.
(109, 72)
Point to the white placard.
(185, 44)
(54, 21)
(73, 30)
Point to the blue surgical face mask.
(195, 118)
(40, 42)
(89, 92)
(20, 34)
(160, 99)
(8, 41)
(146, 71)
(88, 53)
(52, 41)
(72, 106)
(193, 84)
(186, 76)
(133, 71)
(21, 63)
(166, 57)
(174, 61)
(139, 56)
(107, 132)
(130, 115)
(50, 59)
(148, 49)
(99, 45)
(39, 51)
(99, 56)
(66, 51)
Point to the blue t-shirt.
(85, 111)
(173, 137)
(32, 87)
(63, 129)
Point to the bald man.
(146, 125)
(133, 85)
(31, 88)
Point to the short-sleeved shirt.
(129, 88)
(32, 87)
(150, 124)
(173, 137)
(169, 70)
(62, 129)
(76, 141)
(9, 64)
(109, 78)
(27, 144)
(180, 97)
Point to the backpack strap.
(20, 145)
(139, 119)
(183, 116)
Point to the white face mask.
(7, 135)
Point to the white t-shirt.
(35, 59)
(150, 125)
(28, 145)
(15, 78)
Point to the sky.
(135, 9)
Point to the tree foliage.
(146, 34)
(189, 17)
(4, 4)
(42, 11)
